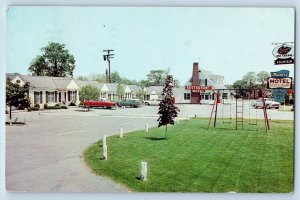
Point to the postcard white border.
(146, 196)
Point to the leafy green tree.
(101, 78)
(157, 77)
(89, 92)
(115, 77)
(17, 95)
(250, 80)
(82, 78)
(55, 61)
(120, 91)
(262, 78)
(167, 110)
(141, 94)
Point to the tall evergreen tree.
(167, 110)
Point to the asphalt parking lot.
(45, 155)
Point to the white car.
(270, 103)
(152, 102)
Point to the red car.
(103, 103)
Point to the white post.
(143, 170)
(188, 117)
(104, 152)
(177, 120)
(195, 115)
(147, 127)
(104, 140)
(25, 120)
(121, 132)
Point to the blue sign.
(280, 74)
(279, 93)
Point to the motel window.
(187, 96)
(103, 95)
(36, 97)
(206, 97)
(224, 96)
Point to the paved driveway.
(46, 154)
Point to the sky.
(225, 41)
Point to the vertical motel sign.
(280, 82)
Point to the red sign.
(274, 83)
(198, 87)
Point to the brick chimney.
(195, 77)
(195, 96)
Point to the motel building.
(199, 88)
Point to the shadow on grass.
(156, 138)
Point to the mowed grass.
(194, 159)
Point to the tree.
(262, 78)
(89, 92)
(82, 78)
(101, 78)
(115, 77)
(17, 95)
(250, 80)
(141, 94)
(55, 61)
(157, 77)
(239, 85)
(167, 110)
(120, 91)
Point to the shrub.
(37, 106)
(72, 104)
(33, 108)
(46, 106)
(81, 104)
(63, 107)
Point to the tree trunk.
(166, 131)
(10, 112)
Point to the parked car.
(152, 102)
(134, 103)
(103, 103)
(270, 103)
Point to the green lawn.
(194, 159)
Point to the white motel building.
(65, 91)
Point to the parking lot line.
(70, 132)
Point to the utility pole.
(107, 58)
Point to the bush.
(46, 106)
(72, 104)
(33, 108)
(63, 107)
(37, 106)
(81, 104)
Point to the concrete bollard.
(143, 171)
(104, 140)
(178, 120)
(121, 132)
(147, 127)
(104, 152)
